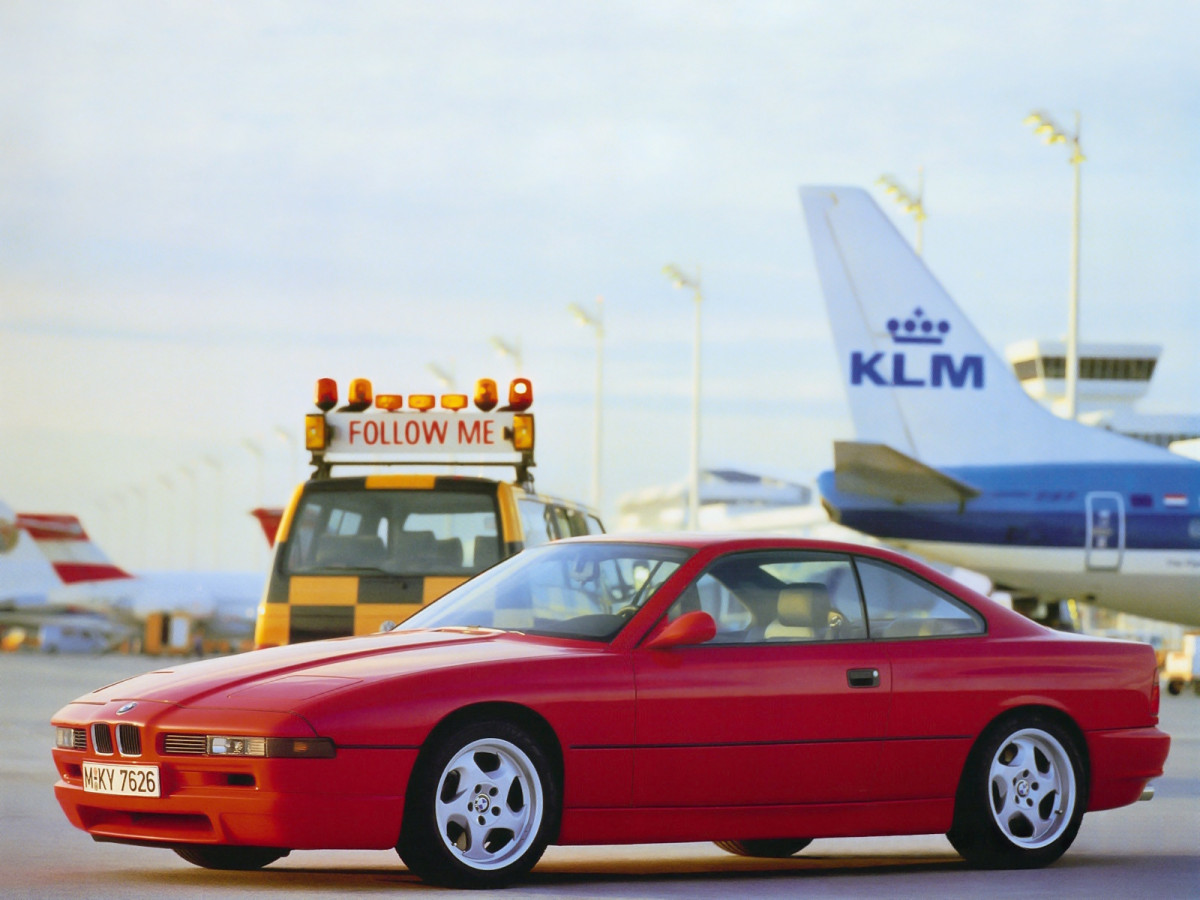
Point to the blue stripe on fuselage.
(1038, 506)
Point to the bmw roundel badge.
(126, 708)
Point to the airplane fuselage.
(1126, 535)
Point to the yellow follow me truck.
(352, 553)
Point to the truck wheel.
(481, 807)
(1022, 795)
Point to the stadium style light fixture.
(913, 204)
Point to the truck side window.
(535, 522)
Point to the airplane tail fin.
(67, 547)
(920, 378)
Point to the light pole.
(913, 204)
(512, 351)
(682, 280)
(1050, 132)
(168, 545)
(214, 464)
(255, 449)
(293, 446)
(139, 495)
(443, 375)
(190, 474)
(596, 323)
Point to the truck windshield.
(394, 532)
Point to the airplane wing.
(876, 470)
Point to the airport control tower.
(1112, 378)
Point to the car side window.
(778, 597)
(903, 605)
(708, 594)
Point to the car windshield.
(576, 590)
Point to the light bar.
(422, 402)
(520, 395)
(454, 402)
(359, 397)
(315, 432)
(389, 402)
(487, 395)
(522, 432)
(327, 394)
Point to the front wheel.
(780, 848)
(1022, 796)
(481, 808)
(217, 856)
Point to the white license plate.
(129, 781)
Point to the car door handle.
(861, 678)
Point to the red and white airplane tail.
(67, 547)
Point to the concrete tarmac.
(1148, 850)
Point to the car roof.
(725, 542)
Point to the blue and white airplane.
(954, 461)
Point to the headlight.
(221, 745)
(231, 745)
(64, 738)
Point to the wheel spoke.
(489, 804)
(1028, 788)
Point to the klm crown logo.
(932, 370)
(918, 329)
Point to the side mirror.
(686, 631)
(387, 626)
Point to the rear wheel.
(481, 808)
(1022, 796)
(216, 856)
(769, 849)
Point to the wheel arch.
(529, 720)
(1008, 718)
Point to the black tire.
(482, 805)
(223, 856)
(1022, 795)
(1174, 688)
(780, 848)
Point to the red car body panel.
(688, 743)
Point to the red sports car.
(757, 692)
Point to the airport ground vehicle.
(1182, 667)
(758, 692)
(352, 553)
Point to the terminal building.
(1112, 379)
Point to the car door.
(767, 713)
(942, 680)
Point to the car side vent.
(129, 740)
(102, 739)
(185, 744)
(78, 738)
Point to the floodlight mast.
(682, 280)
(1051, 133)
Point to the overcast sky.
(206, 206)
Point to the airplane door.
(1105, 530)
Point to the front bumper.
(352, 801)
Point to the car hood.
(281, 678)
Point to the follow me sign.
(943, 371)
